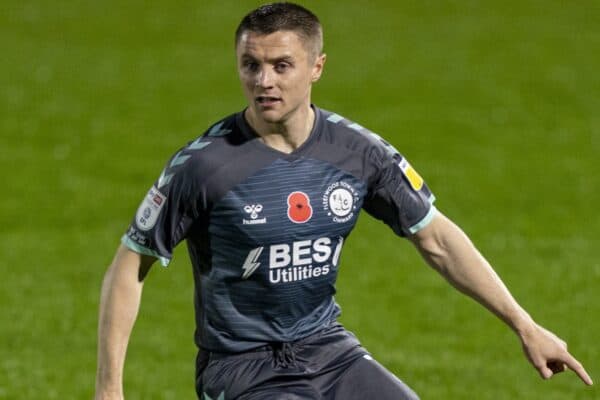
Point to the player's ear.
(318, 67)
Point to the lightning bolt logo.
(251, 263)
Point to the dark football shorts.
(328, 365)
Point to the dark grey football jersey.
(265, 229)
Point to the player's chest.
(290, 200)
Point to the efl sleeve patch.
(148, 212)
(402, 199)
(412, 176)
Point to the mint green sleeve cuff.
(127, 242)
(425, 221)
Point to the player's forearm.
(451, 253)
(119, 305)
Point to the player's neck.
(285, 136)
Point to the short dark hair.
(274, 17)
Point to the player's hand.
(549, 355)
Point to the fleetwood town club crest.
(339, 201)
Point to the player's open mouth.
(267, 100)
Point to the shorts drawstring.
(284, 355)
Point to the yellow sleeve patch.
(413, 177)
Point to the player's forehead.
(279, 44)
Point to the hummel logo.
(254, 210)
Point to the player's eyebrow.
(274, 60)
(282, 58)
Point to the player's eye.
(281, 67)
(251, 66)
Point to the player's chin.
(270, 116)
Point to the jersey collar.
(249, 133)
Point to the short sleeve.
(399, 196)
(166, 213)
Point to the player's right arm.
(162, 220)
(119, 305)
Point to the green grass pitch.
(495, 103)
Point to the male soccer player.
(265, 200)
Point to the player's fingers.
(545, 372)
(576, 366)
(557, 366)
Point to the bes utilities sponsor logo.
(339, 201)
(298, 261)
(253, 210)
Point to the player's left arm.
(448, 250)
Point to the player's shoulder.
(219, 135)
(214, 146)
(355, 137)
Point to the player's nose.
(265, 78)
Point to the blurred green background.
(496, 103)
